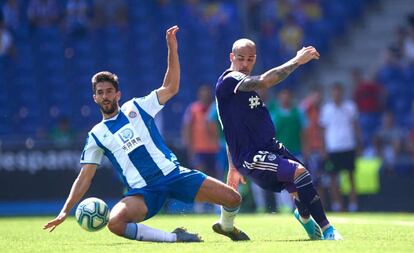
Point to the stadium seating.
(51, 71)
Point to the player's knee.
(117, 225)
(302, 177)
(300, 170)
(234, 199)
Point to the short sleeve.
(324, 117)
(92, 153)
(353, 110)
(150, 103)
(230, 84)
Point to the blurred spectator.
(290, 123)
(291, 35)
(312, 9)
(342, 135)
(43, 13)
(6, 41)
(409, 45)
(314, 152)
(62, 136)
(77, 17)
(109, 13)
(389, 139)
(369, 97)
(11, 15)
(199, 137)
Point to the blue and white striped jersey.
(132, 143)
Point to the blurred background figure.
(290, 122)
(77, 18)
(62, 135)
(390, 145)
(6, 41)
(370, 98)
(339, 119)
(199, 137)
(12, 16)
(314, 153)
(110, 13)
(43, 13)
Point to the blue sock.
(310, 199)
(131, 230)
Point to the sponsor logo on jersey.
(126, 134)
(132, 144)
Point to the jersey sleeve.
(323, 120)
(92, 153)
(353, 110)
(150, 103)
(230, 84)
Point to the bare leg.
(353, 199)
(132, 209)
(336, 198)
(216, 192)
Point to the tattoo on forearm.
(281, 72)
(268, 79)
(250, 83)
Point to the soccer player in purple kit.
(252, 148)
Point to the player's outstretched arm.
(79, 188)
(171, 81)
(278, 74)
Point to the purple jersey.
(246, 121)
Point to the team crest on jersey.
(126, 134)
(271, 157)
(132, 114)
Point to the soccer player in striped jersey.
(252, 148)
(128, 136)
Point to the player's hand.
(234, 178)
(171, 38)
(55, 222)
(307, 54)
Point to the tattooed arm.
(278, 74)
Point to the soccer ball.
(92, 214)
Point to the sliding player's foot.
(184, 236)
(234, 234)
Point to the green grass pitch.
(363, 232)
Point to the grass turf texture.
(364, 232)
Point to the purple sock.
(310, 199)
(303, 211)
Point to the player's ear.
(118, 95)
(94, 98)
(232, 56)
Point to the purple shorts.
(272, 169)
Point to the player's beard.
(108, 110)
